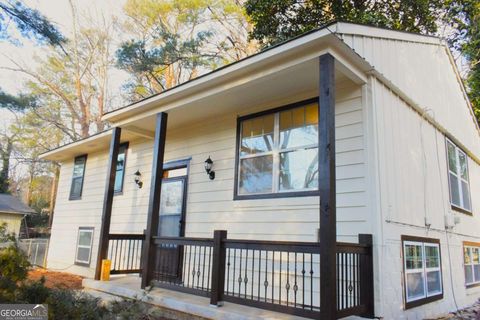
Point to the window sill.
(472, 285)
(74, 198)
(417, 303)
(118, 193)
(458, 209)
(81, 264)
(313, 193)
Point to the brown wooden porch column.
(108, 200)
(326, 186)
(148, 256)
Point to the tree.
(29, 22)
(176, 40)
(464, 18)
(278, 20)
(71, 83)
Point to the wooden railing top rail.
(184, 241)
(126, 236)
(287, 246)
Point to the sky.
(58, 12)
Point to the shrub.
(33, 292)
(70, 304)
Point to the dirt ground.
(57, 279)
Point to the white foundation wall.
(210, 204)
(412, 180)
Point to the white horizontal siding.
(210, 204)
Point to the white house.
(405, 170)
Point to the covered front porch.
(312, 278)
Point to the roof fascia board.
(46, 155)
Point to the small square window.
(84, 246)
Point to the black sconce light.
(138, 179)
(208, 168)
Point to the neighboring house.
(12, 212)
(406, 170)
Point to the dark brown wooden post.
(326, 186)
(366, 276)
(108, 200)
(148, 257)
(218, 268)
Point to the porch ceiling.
(287, 85)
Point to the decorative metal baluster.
(287, 286)
(265, 283)
(303, 281)
(259, 273)
(198, 266)
(253, 269)
(273, 275)
(311, 281)
(280, 280)
(245, 278)
(120, 256)
(203, 268)
(209, 266)
(184, 258)
(228, 270)
(240, 274)
(234, 270)
(194, 261)
(189, 264)
(129, 256)
(295, 286)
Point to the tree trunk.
(4, 174)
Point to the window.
(77, 178)
(278, 152)
(471, 255)
(120, 172)
(422, 270)
(84, 246)
(458, 178)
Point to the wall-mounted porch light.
(138, 179)
(208, 168)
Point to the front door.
(171, 223)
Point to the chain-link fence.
(36, 250)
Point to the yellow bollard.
(105, 274)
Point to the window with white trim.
(278, 151)
(423, 274)
(458, 177)
(471, 256)
(84, 246)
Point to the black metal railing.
(275, 275)
(355, 278)
(280, 276)
(183, 264)
(125, 253)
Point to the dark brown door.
(171, 224)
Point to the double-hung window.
(278, 152)
(422, 270)
(84, 246)
(471, 255)
(77, 177)
(458, 177)
(120, 170)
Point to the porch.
(279, 276)
(309, 279)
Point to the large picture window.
(422, 270)
(458, 177)
(84, 246)
(77, 177)
(120, 170)
(471, 255)
(278, 152)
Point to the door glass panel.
(171, 205)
